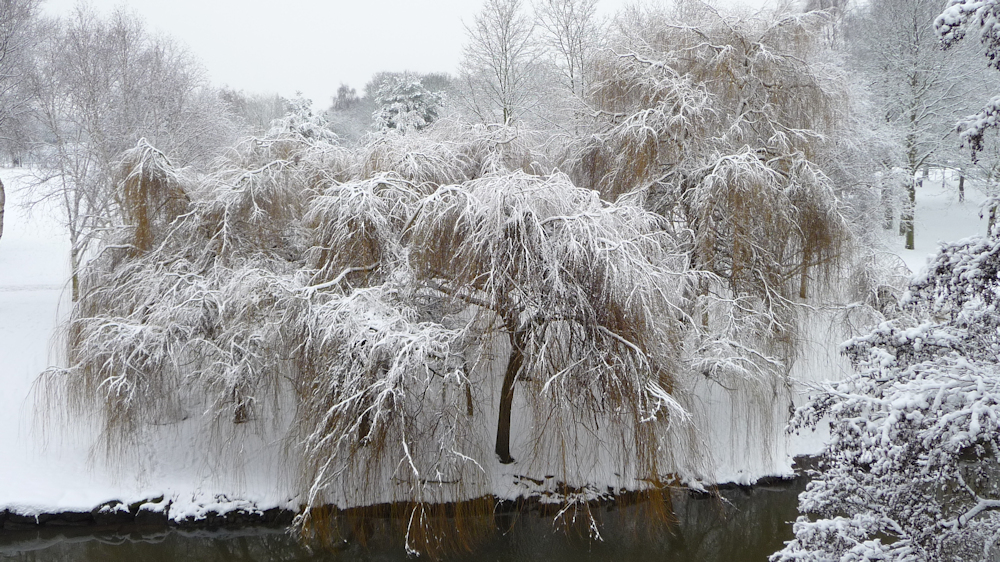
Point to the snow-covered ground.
(940, 217)
(34, 258)
(47, 471)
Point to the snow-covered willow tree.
(716, 122)
(448, 316)
(910, 472)
(426, 329)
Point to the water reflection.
(741, 525)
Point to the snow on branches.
(415, 329)
(910, 471)
(951, 26)
(442, 310)
(404, 104)
(710, 122)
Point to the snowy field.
(55, 470)
(48, 469)
(34, 258)
(940, 217)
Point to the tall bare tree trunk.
(514, 363)
(906, 220)
(74, 259)
(961, 186)
(912, 157)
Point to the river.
(738, 525)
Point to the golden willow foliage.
(716, 122)
(388, 310)
(151, 194)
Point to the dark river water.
(740, 524)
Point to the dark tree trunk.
(514, 363)
(906, 221)
(74, 265)
(961, 187)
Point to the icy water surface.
(744, 525)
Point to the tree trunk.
(906, 220)
(514, 363)
(804, 282)
(74, 264)
(887, 206)
(961, 187)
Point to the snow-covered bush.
(910, 472)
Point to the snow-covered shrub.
(910, 472)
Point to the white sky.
(313, 45)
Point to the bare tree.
(920, 88)
(88, 65)
(16, 34)
(572, 33)
(255, 111)
(498, 62)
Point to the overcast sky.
(313, 45)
